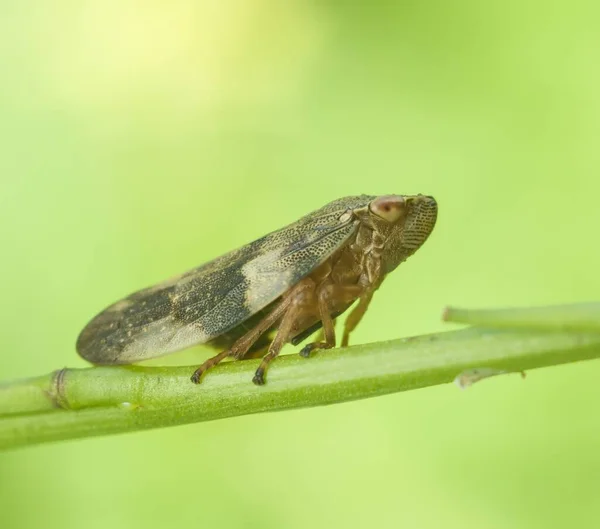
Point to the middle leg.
(328, 294)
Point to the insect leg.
(241, 346)
(343, 293)
(355, 316)
(281, 337)
(328, 329)
(211, 362)
(320, 337)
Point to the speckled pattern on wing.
(209, 300)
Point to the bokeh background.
(142, 138)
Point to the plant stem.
(75, 403)
(575, 317)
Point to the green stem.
(75, 403)
(575, 317)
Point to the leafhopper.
(281, 288)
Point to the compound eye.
(388, 207)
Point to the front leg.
(355, 316)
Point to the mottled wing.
(209, 300)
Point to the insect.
(280, 288)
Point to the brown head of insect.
(280, 288)
(404, 223)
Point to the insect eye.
(389, 207)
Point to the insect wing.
(207, 301)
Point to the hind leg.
(283, 333)
(243, 344)
(287, 310)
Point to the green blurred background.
(142, 138)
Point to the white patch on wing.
(265, 281)
(162, 337)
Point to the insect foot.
(306, 351)
(259, 377)
(211, 362)
(195, 378)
